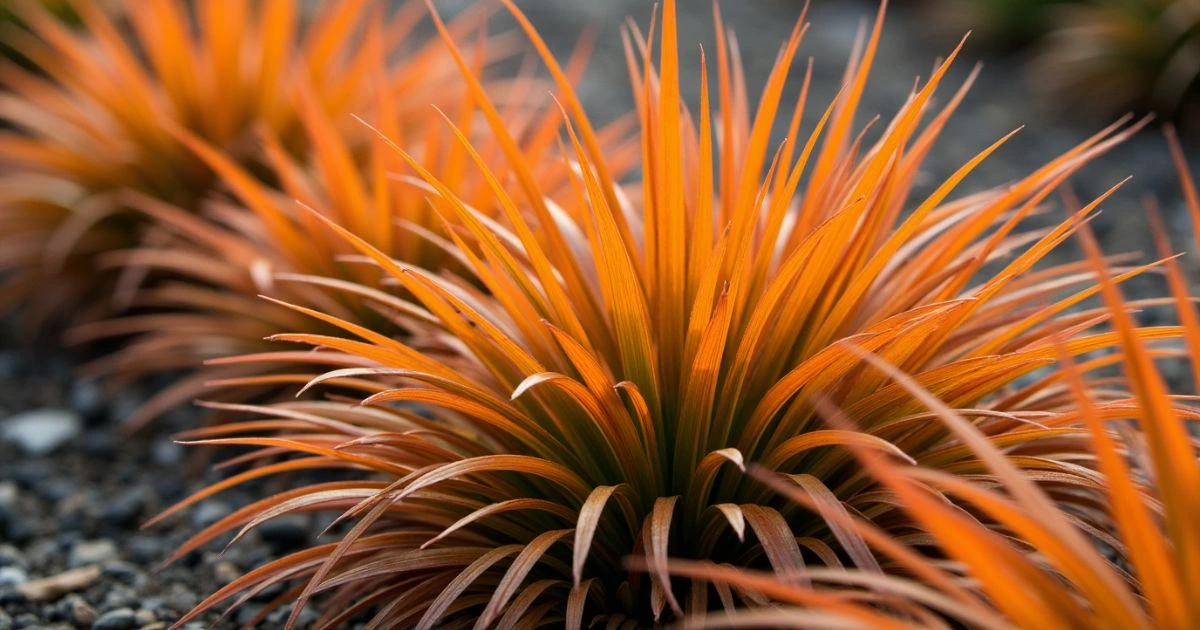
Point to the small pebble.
(119, 596)
(144, 618)
(286, 532)
(247, 612)
(92, 552)
(12, 597)
(41, 431)
(10, 556)
(78, 611)
(6, 621)
(12, 576)
(119, 619)
(60, 584)
(126, 508)
(225, 572)
(209, 512)
(166, 453)
(100, 442)
(122, 571)
(145, 549)
(87, 398)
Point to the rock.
(209, 512)
(145, 618)
(269, 593)
(8, 508)
(145, 549)
(8, 495)
(166, 453)
(246, 613)
(225, 572)
(8, 364)
(58, 585)
(12, 576)
(57, 489)
(124, 406)
(18, 531)
(126, 508)
(87, 398)
(10, 556)
(12, 597)
(78, 611)
(285, 533)
(119, 619)
(6, 622)
(92, 552)
(99, 443)
(119, 596)
(42, 552)
(181, 599)
(41, 431)
(278, 617)
(121, 571)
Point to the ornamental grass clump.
(258, 239)
(102, 114)
(1107, 57)
(618, 352)
(1035, 566)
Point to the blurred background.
(1062, 68)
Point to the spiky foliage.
(262, 242)
(1112, 56)
(624, 359)
(103, 110)
(9, 20)
(1035, 566)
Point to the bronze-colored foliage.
(620, 351)
(1110, 57)
(99, 123)
(261, 241)
(1034, 563)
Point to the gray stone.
(8, 495)
(87, 397)
(78, 611)
(166, 453)
(12, 576)
(92, 552)
(119, 619)
(121, 571)
(119, 596)
(145, 617)
(285, 532)
(10, 556)
(209, 512)
(41, 431)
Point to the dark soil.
(82, 503)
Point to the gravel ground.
(73, 493)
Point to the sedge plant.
(1031, 564)
(1111, 56)
(257, 239)
(102, 111)
(620, 351)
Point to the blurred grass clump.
(1100, 57)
